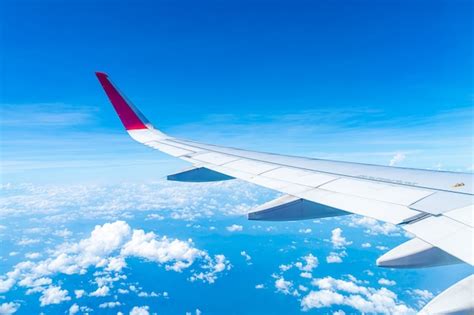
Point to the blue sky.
(385, 82)
(359, 80)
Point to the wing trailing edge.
(198, 175)
(290, 208)
(416, 253)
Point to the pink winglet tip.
(125, 111)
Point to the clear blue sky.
(309, 75)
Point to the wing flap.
(416, 253)
(447, 234)
(290, 208)
(384, 211)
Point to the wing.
(436, 207)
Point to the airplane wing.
(435, 206)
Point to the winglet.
(130, 116)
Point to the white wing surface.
(437, 207)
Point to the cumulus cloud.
(79, 293)
(107, 248)
(335, 257)
(386, 282)
(235, 228)
(259, 286)
(323, 298)
(54, 295)
(101, 291)
(422, 296)
(9, 308)
(140, 310)
(176, 254)
(332, 292)
(74, 309)
(308, 263)
(337, 240)
(33, 255)
(374, 227)
(110, 304)
(283, 286)
(212, 268)
(284, 267)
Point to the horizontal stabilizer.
(457, 299)
(416, 253)
(197, 175)
(290, 208)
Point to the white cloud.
(110, 304)
(335, 257)
(140, 310)
(101, 291)
(74, 309)
(259, 286)
(158, 199)
(28, 241)
(146, 294)
(283, 285)
(155, 216)
(54, 295)
(302, 288)
(34, 255)
(366, 245)
(397, 158)
(305, 231)
(107, 247)
(374, 227)
(339, 312)
(212, 268)
(178, 255)
(247, 257)
(386, 282)
(334, 292)
(235, 228)
(381, 247)
(422, 296)
(9, 308)
(323, 298)
(116, 264)
(7, 283)
(309, 263)
(79, 293)
(337, 240)
(285, 267)
(64, 233)
(306, 275)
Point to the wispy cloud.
(397, 158)
(46, 115)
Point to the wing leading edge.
(437, 207)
